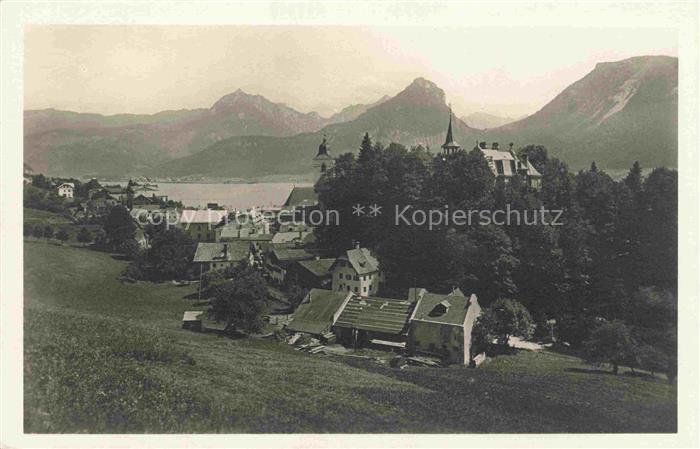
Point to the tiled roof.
(318, 267)
(361, 260)
(455, 308)
(287, 254)
(375, 314)
(221, 252)
(300, 195)
(315, 314)
(286, 237)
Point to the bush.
(129, 248)
(84, 236)
(62, 235)
(611, 342)
(38, 231)
(505, 318)
(48, 231)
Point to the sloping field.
(102, 356)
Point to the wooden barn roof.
(375, 314)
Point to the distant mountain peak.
(422, 90)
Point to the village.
(342, 304)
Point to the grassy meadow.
(106, 356)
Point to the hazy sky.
(146, 69)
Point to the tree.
(48, 232)
(119, 226)
(169, 257)
(84, 236)
(505, 318)
(62, 235)
(129, 248)
(611, 342)
(38, 231)
(241, 301)
(535, 154)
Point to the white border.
(682, 16)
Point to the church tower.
(323, 161)
(450, 146)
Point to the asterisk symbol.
(375, 210)
(358, 210)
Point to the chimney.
(482, 145)
(357, 244)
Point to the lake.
(237, 196)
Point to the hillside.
(483, 120)
(620, 112)
(416, 115)
(64, 142)
(102, 356)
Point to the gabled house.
(356, 271)
(280, 259)
(441, 325)
(219, 256)
(66, 190)
(201, 225)
(313, 273)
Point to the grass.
(102, 356)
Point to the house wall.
(438, 339)
(345, 278)
(66, 192)
(200, 232)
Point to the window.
(340, 287)
(348, 277)
(364, 289)
(499, 167)
(348, 288)
(355, 289)
(340, 275)
(512, 167)
(357, 278)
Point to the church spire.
(450, 146)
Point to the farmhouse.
(234, 231)
(317, 312)
(312, 273)
(200, 224)
(357, 271)
(219, 256)
(441, 325)
(280, 258)
(66, 189)
(373, 320)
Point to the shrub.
(611, 342)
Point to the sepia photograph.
(326, 227)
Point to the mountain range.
(620, 112)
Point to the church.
(503, 163)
